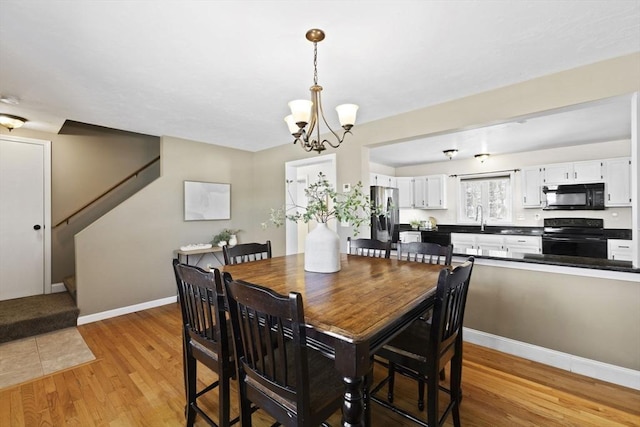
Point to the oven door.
(589, 247)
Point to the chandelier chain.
(315, 63)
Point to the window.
(493, 193)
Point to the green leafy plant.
(325, 203)
(224, 235)
(415, 223)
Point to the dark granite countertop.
(559, 260)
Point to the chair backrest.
(449, 305)
(369, 247)
(203, 310)
(270, 343)
(430, 253)
(246, 252)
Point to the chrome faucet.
(481, 212)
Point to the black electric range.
(582, 237)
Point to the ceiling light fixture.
(305, 112)
(482, 157)
(11, 122)
(450, 153)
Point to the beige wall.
(125, 257)
(584, 316)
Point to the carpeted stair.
(25, 317)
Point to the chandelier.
(306, 114)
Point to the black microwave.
(574, 197)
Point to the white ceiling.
(222, 72)
(601, 121)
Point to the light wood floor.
(136, 380)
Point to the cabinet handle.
(624, 247)
(609, 196)
(575, 175)
(525, 199)
(521, 241)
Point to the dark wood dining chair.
(246, 252)
(206, 339)
(369, 247)
(430, 253)
(424, 349)
(276, 370)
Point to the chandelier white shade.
(306, 114)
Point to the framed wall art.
(206, 201)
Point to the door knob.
(36, 227)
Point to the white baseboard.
(579, 365)
(58, 287)
(90, 318)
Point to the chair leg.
(456, 389)
(245, 405)
(392, 374)
(432, 401)
(223, 400)
(190, 371)
(421, 395)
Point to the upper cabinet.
(382, 180)
(573, 173)
(615, 173)
(405, 192)
(531, 187)
(618, 182)
(422, 192)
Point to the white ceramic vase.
(322, 250)
(233, 240)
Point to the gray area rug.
(29, 316)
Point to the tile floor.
(34, 357)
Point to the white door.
(23, 228)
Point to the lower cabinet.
(495, 244)
(523, 244)
(619, 250)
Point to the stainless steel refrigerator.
(384, 224)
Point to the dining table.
(351, 313)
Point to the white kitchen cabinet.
(405, 192)
(523, 244)
(619, 250)
(559, 173)
(618, 182)
(495, 244)
(419, 192)
(589, 171)
(490, 242)
(463, 241)
(531, 187)
(436, 192)
(382, 180)
(430, 192)
(573, 173)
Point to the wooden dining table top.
(353, 304)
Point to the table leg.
(353, 402)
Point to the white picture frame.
(204, 201)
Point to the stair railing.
(133, 175)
